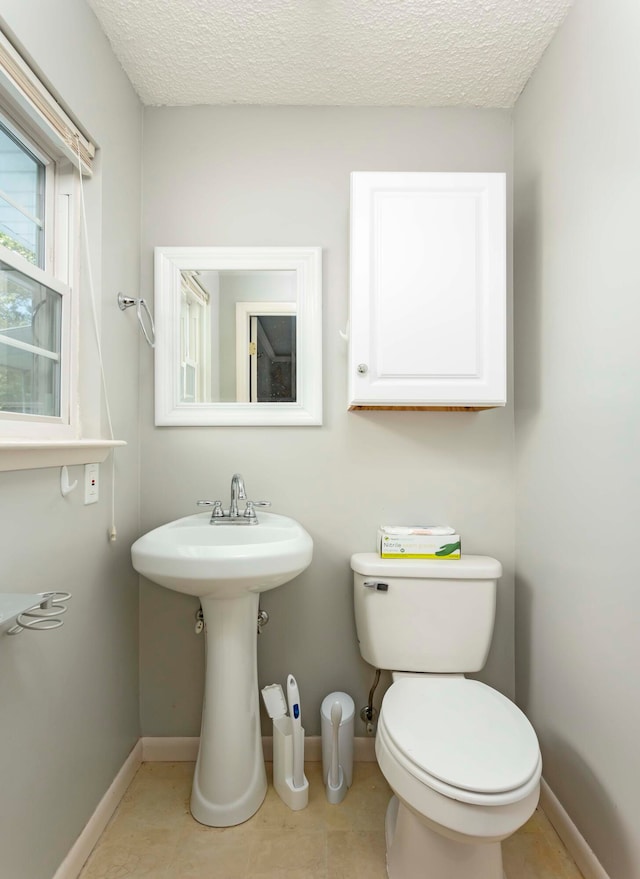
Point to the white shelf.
(14, 603)
(25, 454)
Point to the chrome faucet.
(238, 493)
(233, 516)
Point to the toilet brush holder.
(294, 797)
(345, 734)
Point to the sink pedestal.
(230, 782)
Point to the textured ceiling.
(309, 52)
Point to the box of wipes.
(418, 542)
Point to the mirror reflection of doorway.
(272, 353)
(266, 352)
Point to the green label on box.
(413, 555)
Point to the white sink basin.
(222, 561)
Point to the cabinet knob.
(363, 369)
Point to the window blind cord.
(112, 533)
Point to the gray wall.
(280, 176)
(69, 698)
(577, 148)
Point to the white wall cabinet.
(428, 291)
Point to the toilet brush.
(336, 781)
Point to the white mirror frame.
(307, 264)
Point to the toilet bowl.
(462, 760)
(464, 765)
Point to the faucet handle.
(217, 511)
(250, 513)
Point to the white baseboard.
(364, 749)
(165, 749)
(574, 841)
(169, 749)
(83, 846)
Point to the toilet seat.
(461, 738)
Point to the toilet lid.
(461, 732)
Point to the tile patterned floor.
(153, 836)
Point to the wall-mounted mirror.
(238, 335)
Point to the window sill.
(27, 454)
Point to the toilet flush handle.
(375, 584)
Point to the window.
(22, 198)
(41, 152)
(35, 296)
(195, 377)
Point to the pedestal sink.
(227, 567)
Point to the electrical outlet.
(91, 483)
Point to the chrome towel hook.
(125, 302)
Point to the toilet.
(462, 760)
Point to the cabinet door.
(428, 290)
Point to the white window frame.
(59, 274)
(196, 299)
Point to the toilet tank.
(436, 615)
